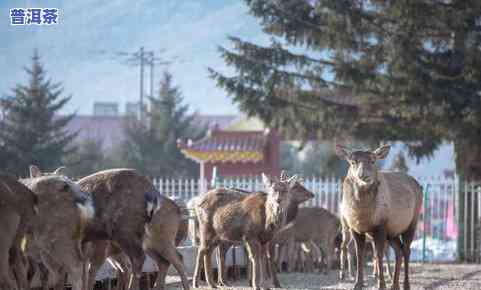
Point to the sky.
(73, 52)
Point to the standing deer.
(313, 224)
(18, 207)
(251, 218)
(299, 195)
(64, 211)
(124, 204)
(133, 214)
(384, 205)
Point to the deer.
(64, 211)
(381, 204)
(312, 226)
(124, 204)
(137, 218)
(18, 210)
(299, 195)
(252, 218)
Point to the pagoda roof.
(227, 146)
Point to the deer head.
(362, 164)
(299, 193)
(278, 196)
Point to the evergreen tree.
(372, 70)
(89, 157)
(152, 146)
(405, 71)
(289, 158)
(321, 160)
(33, 131)
(399, 163)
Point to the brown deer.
(238, 217)
(311, 224)
(133, 214)
(18, 207)
(124, 204)
(383, 205)
(299, 195)
(64, 211)
(119, 261)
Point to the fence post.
(425, 218)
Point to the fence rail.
(450, 208)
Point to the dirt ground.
(423, 276)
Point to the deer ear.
(266, 180)
(382, 152)
(60, 170)
(292, 181)
(284, 175)
(342, 152)
(35, 171)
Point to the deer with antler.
(253, 218)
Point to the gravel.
(423, 276)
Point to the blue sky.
(190, 30)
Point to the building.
(106, 109)
(241, 149)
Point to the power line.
(139, 58)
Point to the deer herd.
(54, 227)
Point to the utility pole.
(141, 102)
(152, 64)
(140, 58)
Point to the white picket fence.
(327, 190)
(438, 227)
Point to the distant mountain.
(190, 30)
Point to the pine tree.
(33, 130)
(406, 71)
(372, 70)
(89, 157)
(321, 160)
(152, 146)
(399, 163)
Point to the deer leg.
(199, 262)
(163, 266)
(407, 238)
(208, 266)
(396, 245)
(9, 223)
(380, 242)
(344, 255)
(291, 256)
(6, 279)
(76, 274)
(133, 249)
(254, 249)
(266, 252)
(171, 255)
(388, 261)
(316, 251)
(20, 267)
(273, 265)
(222, 269)
(360, 241)
(97, 256)
(375, 269)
